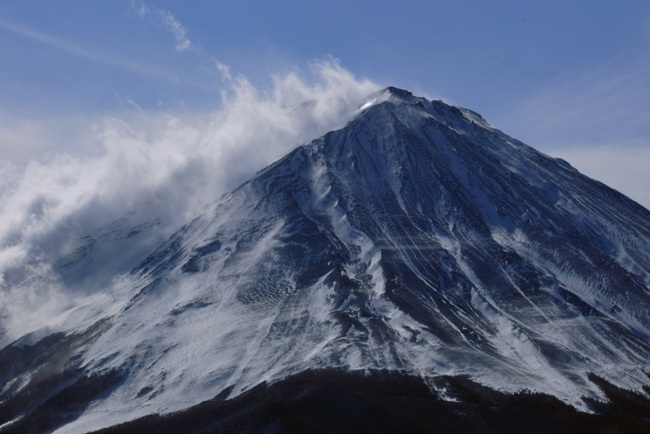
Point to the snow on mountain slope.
(41, 292)
(417, 238)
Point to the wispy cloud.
(602, 103)
(23, 139)
(133, 104)
(173, 25)
(166, 20)
(161, 165)
(86, 53)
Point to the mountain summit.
(418, 238)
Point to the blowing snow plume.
(417, 239)
(153, 172)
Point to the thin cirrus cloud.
(154, 170)
(92, 55)
(603, 103)
(167, 21)
(170, 23)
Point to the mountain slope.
(417, 238)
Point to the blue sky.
(569, 78)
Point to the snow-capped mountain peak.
(417, 238)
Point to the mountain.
(417, 239)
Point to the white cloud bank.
(163, 166)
